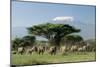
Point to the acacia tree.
(53, 32)
(29, 40)
(16, 43)
(23, 42)
(74, 38)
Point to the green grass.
(46, 58)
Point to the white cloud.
(64, 19)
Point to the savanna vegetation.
(62, 45)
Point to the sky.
(26, 14)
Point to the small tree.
(28, 40)
(72, 39)
(16, 43)
(23, 42)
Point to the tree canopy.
(16, 43)
(71, 39)
(74, 38)
(53, 32)
(22, 42)
(29, 40)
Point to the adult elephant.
(64, 49)
(82, 49)
(31, 50)
(74, 48)
(41, 50)
(53, 50)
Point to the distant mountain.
(22, 31)
(19, 31)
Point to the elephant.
(53, 50)
(21, 50)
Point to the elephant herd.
(52, 50)
(37, 49)
(74, 48)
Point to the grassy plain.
(36, 59)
